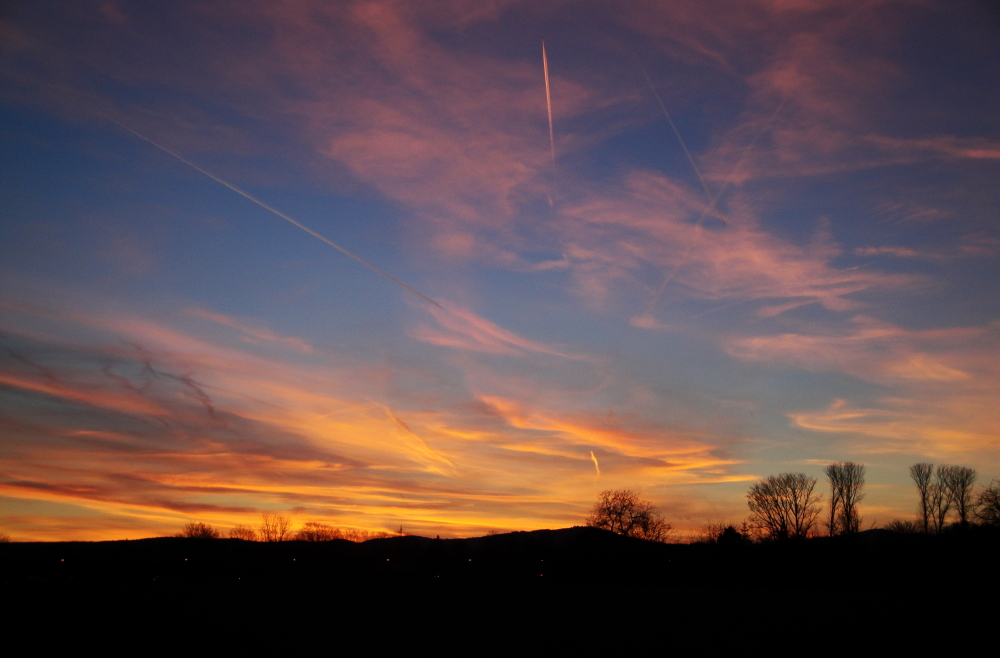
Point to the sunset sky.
(171, 351)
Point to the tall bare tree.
(273, 527)
(846, 481)
(623, 512)
(921, 474)
(958, 482)
(784, 506)
(940, 499)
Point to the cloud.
(949, 146)
(252, 333)
(180, 426)
(462, 329)
(617, 237)
(937, 386)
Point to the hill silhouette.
(570, 556)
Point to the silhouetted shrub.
(314, 531)
(195, 530)
(725, 532)
(352, 534)
(904, 527)
(243, 532)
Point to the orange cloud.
(174, 426)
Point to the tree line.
(787, 506)
(275, 528)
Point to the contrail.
(746, 151)
(276, 212)
(694, 167)
(596, 465)
(548, 103)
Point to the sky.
(767, 241)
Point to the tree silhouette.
(623, 512)
(904, 527)
(940, 499)
(921, 474)
(784, 506)
(195, 530)
(243, 532)
(958, 482)
(988, 504)
(315, 531)
(724, 532)
(846, 481)
(273, 527)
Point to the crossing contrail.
(276, 212)
(694, 167)
(687, 250)
(548, 103)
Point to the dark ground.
(572, 556)
(579, 590)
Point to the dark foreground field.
(572, 556)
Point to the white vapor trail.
(687, 250)
(694, 167)
(596, 465)
(548, 103)
(276, 212)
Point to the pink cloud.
(463, 329)
(616, 237)
(251, 332)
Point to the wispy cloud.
(460, 328)
(251, 333)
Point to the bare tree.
(846, 481)
(988, 504)
(315, 531)
(243, 532)
(195, 530)
(940, 500)
(921, 474)
(623, 512)
(4, 538)
(784, 506)
(273, 527)
(958, 482)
